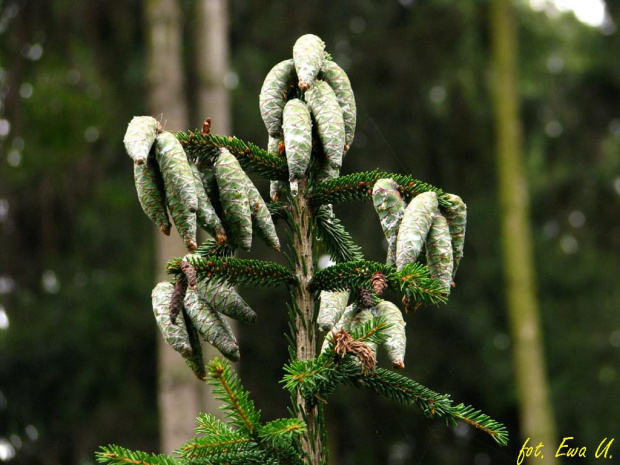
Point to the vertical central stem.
(304, 320)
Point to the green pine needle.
(336, 240)
(357, 187)
(288, 428)
(208, 447)
(211, 248)
(236, 270)
(481, 421)
(113, 454)
(203, 149)
(413, 280)
(237, 404)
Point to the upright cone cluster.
(309, 111)
(309, 90)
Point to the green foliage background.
(77, 362)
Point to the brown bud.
(378, 282)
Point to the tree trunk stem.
(305, 326)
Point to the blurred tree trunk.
(536, 416)
(180, 393)
(211, 60)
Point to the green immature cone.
(175, 334)
(274, 94)
(263, 224)
(439, 252)
(232, 183)
(338, 80)
(414, 228)
(150, 189)
(390, 207)
(308, 55)
(211, 326)
(224, 299)
(206, 216)
(343, 323)
(396, 341)
(277, 189)
(456, 214)
(179, 185)
(175, 169)
(330, 125)
(297, 127)
(139, 138)
(332, 306)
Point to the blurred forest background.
(78, 357)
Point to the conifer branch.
(203, 447)
(481, 421)
(357, 187)
(211, 248)
(236, 270)
(413, 280)
(204, 148)
(237, 404)
(317, 379)
(336, 240)
(113, 454)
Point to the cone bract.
(151, 194)
(176, 335)
(211, 326)
(262, 222)
(297, 128)
(396, 342)
(338, 80)
(175, 170)
(274, 93)
(457, 222)
(439, 252)
(206, 216)
(331, 307)
(308, 55)
(390, 207)
(224, 299)
(232, 184)
(330, 125)
(414, 228)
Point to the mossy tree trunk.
(536, 416)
